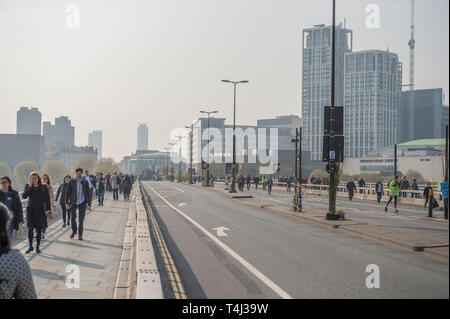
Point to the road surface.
(267, 255)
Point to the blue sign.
(444, 189)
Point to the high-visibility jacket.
(393, 188)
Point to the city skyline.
(119, 74)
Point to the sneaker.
(38, 251)
(72, 235)
(396, 210)
(80, 238)
(29, 249)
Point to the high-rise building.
(28, 121)
(62, 133)
(372, 92)
(95, 141)
(316, 80)
(444, 120)
(421, 115)
(142, 137)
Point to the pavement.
(97, 256)
(224, 249)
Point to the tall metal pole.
(179, 158)
(331, 198)
(233, 182)
(191, 136)
(446, 171)
(395, 160)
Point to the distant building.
(424, 156)
(28, 121)
(421, 115)
(142, 137)
(444, 119)
(69, 155)
(62, 133)
(372, 92)
(15, 148)
(316, 80)
(95, 140)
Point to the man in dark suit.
(78, 196)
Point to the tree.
(413, 174)
(22, 172)
(5, 170)
(84, 163)
(105, 165)
(56, 170)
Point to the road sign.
(338, 148)
(444, 190)
(338, 116)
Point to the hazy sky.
(161, 61)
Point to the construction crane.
(412, 44)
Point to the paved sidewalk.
(97, 256)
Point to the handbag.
(435, 203)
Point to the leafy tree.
(84, 163)
(22, 172)
(105, 165)
(413, 174)
(5, 170)
(56, 170)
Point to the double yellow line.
(172, 272)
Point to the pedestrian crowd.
(74, 194)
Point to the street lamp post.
(171, 144)
(233, 183)
(167, 149)
(191, 136)
(179, 158)
(207, 158)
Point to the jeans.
(115, 194)
(81, 213)
(378, 197)
(65, 212)
(426, 200)
(350, 195)
(101, 197)
(11, 232)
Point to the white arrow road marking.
(220, 231)
(269, 283)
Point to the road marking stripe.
(269, 283)
(179, 189)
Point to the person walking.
(256, 182)
(351, 188)
(288, 184)
(100, 189)
(16, 280)
(404, 185)
(248, 181)
(379, 190)
(78, 197)
(37, 209)
(115, 186)
(120, 181)
(62, 190)
(126, 187)
(108, 182)
(361, 183)
(269, 185)
(415, 188)
(426, 194)
(264, 182)
(91, 181)
(11, 199)
(394, 187)
(46, 181)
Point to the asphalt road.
(409, 218)
(267, 255)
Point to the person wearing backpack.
(394, 187)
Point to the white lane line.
(179, 189)
(269, 283)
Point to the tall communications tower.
(412, 44)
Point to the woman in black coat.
(11, 199)
(62, 190)
(38, 207)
